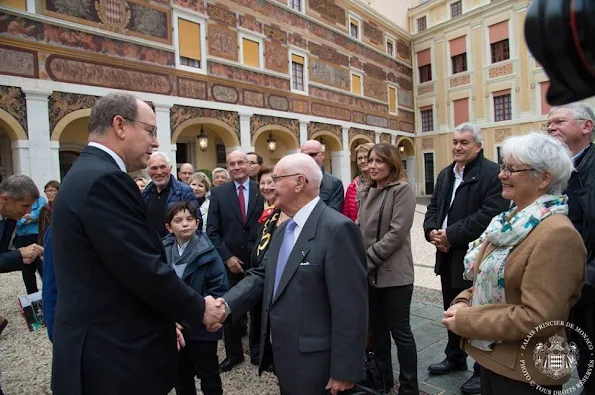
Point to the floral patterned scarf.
(504, 232)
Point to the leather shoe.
(229, 362)
(446, 366)
(472, 386)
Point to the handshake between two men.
(213, 318)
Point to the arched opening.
(353, 144)
(10, 131)
(285, 143)
(332, 145)
(219, 138)
(407, 150)
(73, 137)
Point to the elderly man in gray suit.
(313, 287)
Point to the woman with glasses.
(201, 187)
(45, 215)
(350, 206)
(386, 208)
(527, 270)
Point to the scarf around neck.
(505, 231)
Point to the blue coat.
(49, 291)
(205, 273)
(178, 192)
(31, 227)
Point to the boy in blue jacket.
(197, 262)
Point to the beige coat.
(543, 278)
(388, 249)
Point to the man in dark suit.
(467, 196)
(232, 226)
(313, 283)
(331, 188)
(114, 328)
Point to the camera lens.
(558, 34)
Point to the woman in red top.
(350, 206)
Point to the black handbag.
(374, 381)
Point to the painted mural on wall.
(194, 5)
(328, 74)
(131, 17)
(223, 42)
(249, 22)
(259, 121)
(253, 98)
(375, 89)
(336, 97)
(315, 127)
(326, 111)
(279, 13)
(19, 62)
(355, 132)
(225, 93)
(247, 76)
(222, 14)
(192, 88)
(65, 69)
(23, 28)
(12, 100)
(61, 104)
(276, 57)
(328, 10)
(329, 54)
(278, 103)
(180, 114)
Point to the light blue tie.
(286, 247)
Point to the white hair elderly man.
(163, 191)
(572, 124)
(467, 196)
(313, 285)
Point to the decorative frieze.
(349, 100)
(249, 22)
(427, 143)
(356, 63)
(406, 115)
(328, 10)
(323, 110)
(19, 62)
(499, 71)
(298, 41)
(247, 76)
(12, 100)
(372, 32)
(377, 121)
(460, 80)
(275, 34)
(192, 88)
(385, 138)
(180, 114)
(278, 103)
(374, 71)
(223, 42)
(253, 99)
(225, 93)
(276, 57)
(406, 126)
(329, 54)
(502, 133)
(328, 74)
(425, 89)
(194, 5)
(353, 132)
(221, 14)
(301, 106)
(405, 98)
(359, 117)
(61, 104)
(375, 89)
(315, 127)
(259, 121)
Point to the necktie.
(286, 247)
(242, 202)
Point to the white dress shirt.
(302, 216)
(111, 153)
(458, 181)
(246, 185)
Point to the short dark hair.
(110, 105)
(19, 187)
(52, 184)
(258, 157)
(179, 207)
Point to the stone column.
(44, 167)
(346, 160)
(411, 173)
(377, 137)
(162, 112)
(393, 139)
(55, 147)
(245, 135)
(21, 161)
(303, 132)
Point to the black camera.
(558, 34)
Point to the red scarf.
(266, 213)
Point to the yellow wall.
(18, 4)
(76, 132)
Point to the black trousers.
(583, 316)
(453, 350)
(233, 333)
(389, 314)
(28, 271)
(254, 335)
(495, 384)
(199, 358)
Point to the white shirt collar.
(111, 153)
(303, 214)
(454, 170)
(182, 247)
(246, 184)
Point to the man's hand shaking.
(215, 313)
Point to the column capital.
(36, 94)
(304, 123)
(243, 114)
(162, 106)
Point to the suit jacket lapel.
(252, 198)
(233, 192)
(300, 249)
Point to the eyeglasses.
(313, 154)
(363, 159)
(507, 170)
(152, 132)
(277, 178)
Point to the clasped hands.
(215, 313)
(31, 252)
(449, 320)
(439, 239)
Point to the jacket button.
(266, 309)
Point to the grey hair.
(580, 111)
(163, 154)
(474, 129)
(220, 170)
(110, 105)
(304, 164)
(19, 187)
(237, 150)
(543, 153)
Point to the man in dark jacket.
(572, 124)
(468, 194)
(196, 261)
(331, 188)
(163, 191)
